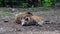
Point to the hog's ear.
(29, 13)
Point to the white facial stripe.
(23, 21)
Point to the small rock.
(6, 21)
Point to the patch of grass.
(16, 12)
(7, 13)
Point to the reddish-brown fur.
(20, 15)
(30, 16)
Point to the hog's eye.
(21, 18)
(26, 19)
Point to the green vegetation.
(24, 3)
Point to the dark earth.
(51, 26)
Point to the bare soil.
(53, 27)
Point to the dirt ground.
(53, 27)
